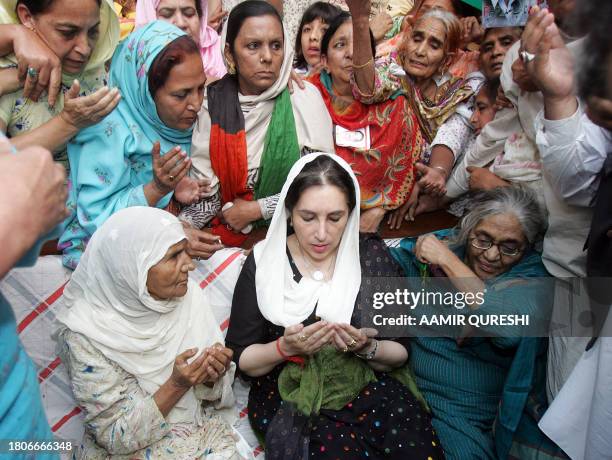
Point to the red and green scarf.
(228, 150)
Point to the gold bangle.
(368, 62)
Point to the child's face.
(484, 111)
(312, 33)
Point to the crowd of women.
(183, 126)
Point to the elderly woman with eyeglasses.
(486, 394)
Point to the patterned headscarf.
(129, 72)
(210, 46)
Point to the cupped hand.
(190, 191)
(185, 374)
(84, 111)
(300, 340)
(169, 169)
(349, 338)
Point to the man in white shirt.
(574, 150)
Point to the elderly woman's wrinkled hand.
(348, 338)
(185, 374)
(218, 360)
(300, 340)
(201, 244)
(84, 111)
(431, 250)
(39, 67)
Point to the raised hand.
(552, 70)
(84, 111)
(186, 375)
(169, 170)
(190, 191)
(380, 25)
(471, 30)
(359, 8)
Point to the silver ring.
(32, 73)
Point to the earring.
(231, 69)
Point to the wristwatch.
(526, 57)
(370, 354)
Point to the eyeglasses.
(505, 248)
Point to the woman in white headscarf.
(250, 130)
(322, 386)
(145, 356)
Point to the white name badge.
(359, 139)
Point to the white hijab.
(107, 301)
(284, 302)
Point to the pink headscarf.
(210, 48)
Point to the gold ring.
(302, 337)
(345, 350)
(171, 178)
(352, 344)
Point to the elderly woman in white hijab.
(298, 294)
(250, 130)
(145, 357)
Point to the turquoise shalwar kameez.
(111, 162)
